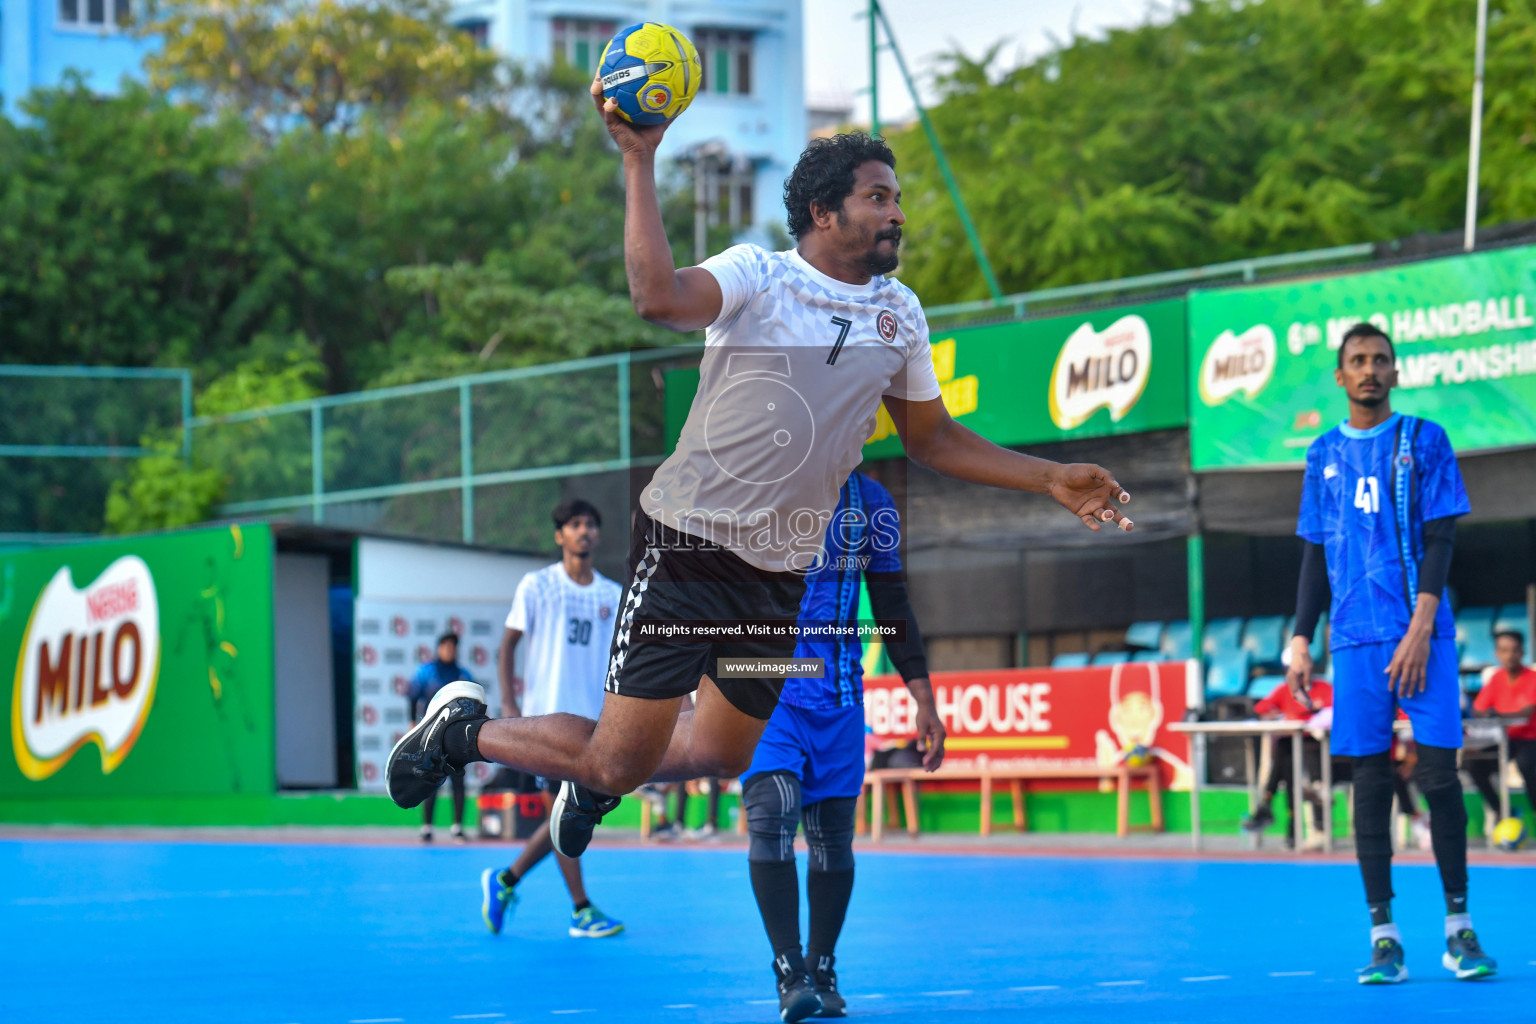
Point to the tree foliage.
(322, 63)
(1233, 129)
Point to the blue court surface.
(107, 931)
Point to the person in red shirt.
(1282, 704)
(1509, 691)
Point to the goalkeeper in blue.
(1379, 504)
(809, 765)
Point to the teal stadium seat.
(1471, 682)
(1175, 644)
(1262, 638)
(1511, 619)
(1146, 635)
(1223, 635)
(1474, 634)
(1227, 675)
(1147, 656)
(1075, 659)
(1111, 658)
(1263, 686)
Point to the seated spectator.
(1509, 691)
(1282, 704)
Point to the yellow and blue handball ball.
(1138, 756)
(651, 71)
(1509, 834)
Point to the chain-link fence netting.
(261, 457)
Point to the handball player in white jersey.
(801, 349)
(566, 613)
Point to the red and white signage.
(1054, 717)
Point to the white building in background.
(749, 119)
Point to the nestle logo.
(108, 602)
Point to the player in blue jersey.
(1379, 504)
(809, 765)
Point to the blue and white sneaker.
(498, 900)
(591, 923)
(1465, 958)
(1386, 966)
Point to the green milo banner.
(139, 667)
(1114, 371)
(1262, 359)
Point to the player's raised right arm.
(684, 299)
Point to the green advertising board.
(1113, 371)
(1262, 359)
(139, 668)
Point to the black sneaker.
(574, 814)
(825, 980)
(417, 764)
(797, 993)
(1261, 818)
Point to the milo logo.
(1096, 370)
(1237, 362)
(90, 659)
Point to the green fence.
(66, 432)
(460, 458)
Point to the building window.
(477, 29)
(728, 191)
(580, 42)
(727, 58)
(101, 14)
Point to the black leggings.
(1436, 778)
(1281, 774)
(457, 781)
(1486, 765)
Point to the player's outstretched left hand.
(1090, 492)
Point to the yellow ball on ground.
(1509, 834)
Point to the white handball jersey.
(567, 628)
(793, 373)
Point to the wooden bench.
(877, 782)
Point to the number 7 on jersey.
(842, 324)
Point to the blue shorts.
(1364, 707)
(823, 749)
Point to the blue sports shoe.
(1464, 955)
(591, 923)
(1386, 966)
(498, 900)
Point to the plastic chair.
(1511, 619)
(1074, 659)
(1140, 656)
(1471, 682)
(1262, 638)
(1223, 635)
(1263, 686)
(1111, 658)
(1474, 631)
(1175, 645)
(1319, 637)
(1228, 674)
(1144, 634)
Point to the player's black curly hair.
(570, 508)
(824, 174)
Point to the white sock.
(1386, 931)
(1455, 923)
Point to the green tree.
(324, 63)
(1233, 129)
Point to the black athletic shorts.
(675, 576)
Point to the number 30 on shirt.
(1368, 495)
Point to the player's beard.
(879, 261)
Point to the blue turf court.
(121, 932)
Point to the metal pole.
(1476, 146)
(1195, 547)
(938, 153)
(700, 209)
(623, 370)
(874, 70)
(467, 463)
(186, 416)
(316, 464)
